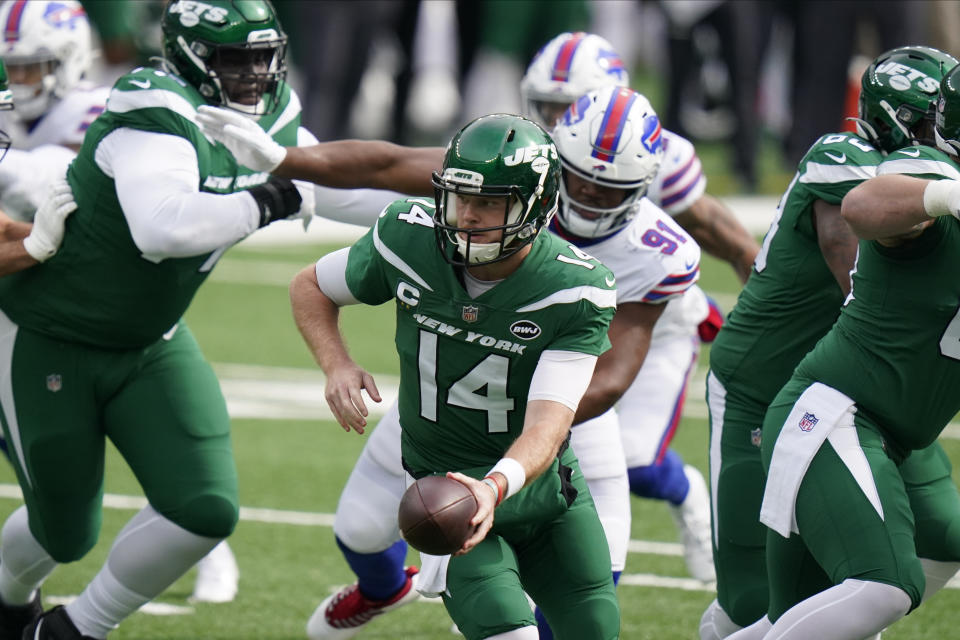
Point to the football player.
(48, 51)
(800, 280)
(606, 217)
(158, 203)
(499, 327)
(879, 387)
(23, 244)
(564, 69)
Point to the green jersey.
(792, 298)
(466, 363)
(99, 289)
(895, 349)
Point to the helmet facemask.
(590, 221)
(34, 96)
(243, 77)
(517, 230)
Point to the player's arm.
(157, 177)
(891, 207)
(558, 384)
(629, 333)
(344, 164)
(719, 233)
(373, 164)
(316, 295)
(838, 244)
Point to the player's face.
(592, 195)
(29, 74)
(241, 73)
(480, 212)
(551, 112)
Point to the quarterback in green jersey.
(883, 382)
(791, 300)
(499, 326)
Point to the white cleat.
(693, 521)
(342, 615)
(217, 576)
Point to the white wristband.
(514, 473)
(942, 197)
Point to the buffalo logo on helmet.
(61, 15)
(652, 140)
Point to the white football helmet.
(610, 137)
(53, 35)
(565, 68)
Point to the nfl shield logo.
(469, 313)
(54, 382)
(755, 438)
(808, 421)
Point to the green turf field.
(292, 469)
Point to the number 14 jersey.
(466, 363)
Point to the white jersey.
(680, 181)
(656, 261)
(65, 123)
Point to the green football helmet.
(897, 94)
(232, 51)
(947, 130)
(504, 157)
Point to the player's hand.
(343, 394)
(250, 145)
(48, 224)
(486, 503)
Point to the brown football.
(435, 514)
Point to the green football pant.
(737, 479)
(162, 408)
(842, 535)
(562, 562)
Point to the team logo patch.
(756, 439)
(470, 313)
(808, 421)
(61, 16)
(525, 329)
(54, 382)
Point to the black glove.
(277, 198)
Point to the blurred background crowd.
(751, 82)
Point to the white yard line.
(313, 519)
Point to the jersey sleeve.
(374, 255)
(920, 162)
(680, 181)
(835, 164)
(659, 260)
(77, 111)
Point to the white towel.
(432, 579)
(816, 413)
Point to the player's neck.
(502, 269)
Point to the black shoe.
(14, 619)
(53, 625)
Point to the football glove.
(278, 199)
(250, 145)
(48, 224)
